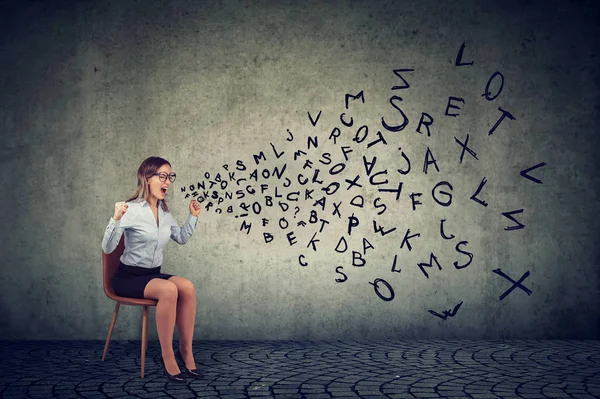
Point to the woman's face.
(158, 188)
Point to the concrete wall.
(90, 89)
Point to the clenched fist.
(120, 209)
(194, 208)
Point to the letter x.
(465, 148)
(515, 283)
(353, 182)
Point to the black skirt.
(130, 281)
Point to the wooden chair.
(110, 264)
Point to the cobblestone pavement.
(312, 370)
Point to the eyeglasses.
(163, 176)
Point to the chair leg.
(144, 337)
(110, 329)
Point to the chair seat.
(134, 301)
(108, 290)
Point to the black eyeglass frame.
(162, 176)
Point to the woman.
(147, 224)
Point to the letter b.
(268, 237)
(356, 258)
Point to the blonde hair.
(146, 170)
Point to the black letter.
(314, 122)
(337, 168)
(427, 124)
(381, 139)
(328, 190)
(432, 259)
(474, 196)
(360, 129)
(353, 182)
(487, 87)
(300, 260)
(442, 231)
(313, 242)
(369, 165)
(394, 265)
(344, 122)
(359, 96)
(342, 239)
(374, 183)
(389, 190)
(443, 192)
(464, 147)
(458, 61)
(352, 222)
(360, 203)
(240, 165)
(339, 280)
(260, 156)
(321, 202)
(397, 73)
(452, 105)
(525, 174)
(336, 209)
(470, 255)
(349, 150)
(268, 237)
(406, 238)
(246, 226)
(404, 172)
(326, 156)
(504, 114)
(375, 284)
(379, 206)
(366, 245)
(298, 153)
(281, 224)
(335, 133)
(291, 238)
(356, 256)
(415, 203)
(275, 151)
(379, 229)
(400, 126)
(519, 224)
(428, 162)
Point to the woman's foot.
(188, 361)
(171, 366)
(187, 358)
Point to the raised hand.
(194, 208)
(120, 209)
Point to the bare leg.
(186, 317)
(166, 293)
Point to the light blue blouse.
(144, 240)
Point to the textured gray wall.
(90, 90)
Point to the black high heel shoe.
(195, 373)
(180, 378)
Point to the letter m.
(260, 156)
(246, 226)
(360, 96)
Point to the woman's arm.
(114, 230)
(112, 236)
(182, 234)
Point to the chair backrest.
(110, 264)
